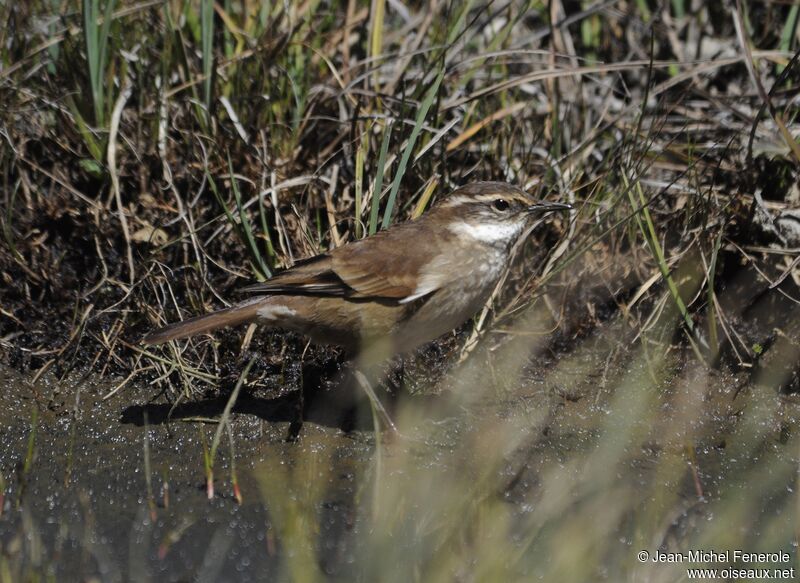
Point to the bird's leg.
(396, 376)
(329, 395)
(296, 425)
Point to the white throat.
(504, 232)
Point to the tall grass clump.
(97, 34)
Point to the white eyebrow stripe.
(456, 200)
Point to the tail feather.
(239, 314)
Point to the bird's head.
(492, 212)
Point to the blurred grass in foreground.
(659, 456)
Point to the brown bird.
(399, 288)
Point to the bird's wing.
(312, 277)
(379, 267)
(360, 270)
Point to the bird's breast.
(472, 276)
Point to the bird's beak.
(546, 207)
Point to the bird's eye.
(501, 204)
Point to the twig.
(119, 105)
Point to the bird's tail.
(239, 314)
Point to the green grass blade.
(712, 311)
(646, 226)
(458, 26)
(256, 259)
(788, 32)
(644, 9)
(412, 140)
(105, 34)
(237, 228)
(226, 413)
(96, 38)
(359, 188)
(262, 213)
(92, 49)
(376, 34)
(92, 144)
(207, 42)
(218, 196)
(180, 44)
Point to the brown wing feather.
(372, 271)
(360, 270)
(312, 276)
